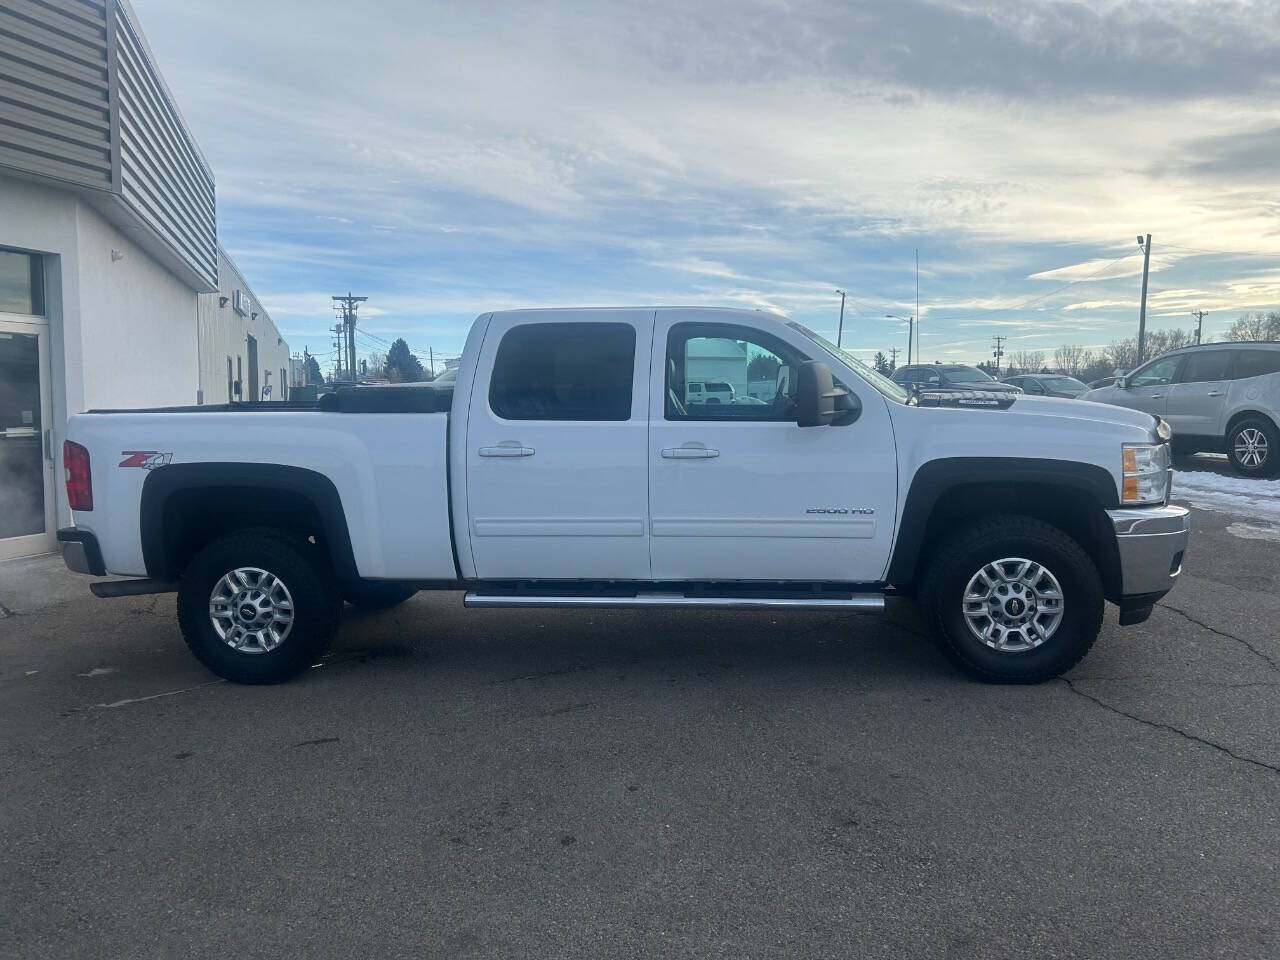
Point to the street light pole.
(840, 330)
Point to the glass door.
(27, 518)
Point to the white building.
(111, 277)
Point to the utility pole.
(1142, 313)
(840, 329)
(911, 326)
(431, 359)
(998, 352)
(893, 357)
(348, 306)
(1199, 315)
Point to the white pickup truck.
(566, 469)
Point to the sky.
(447, 159)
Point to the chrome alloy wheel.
(1251, 447)
(1013, 605)
(251, 610)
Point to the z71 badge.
(146, 459)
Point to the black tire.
(1269, 465)
(316, 603)
(963, 554)
(372, 595)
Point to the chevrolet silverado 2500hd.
(569, 467)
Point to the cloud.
(759, 154)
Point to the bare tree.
(1026, 361)
(1123, 354)
(1256, 326)
(1069, 358)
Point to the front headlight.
(1146, 473)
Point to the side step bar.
(869, 602)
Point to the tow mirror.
(819, 402)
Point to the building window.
(21, 283)
(564, 371)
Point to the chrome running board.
(869, 602)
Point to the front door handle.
(1214, 393)
(507, 448)
(689, 453)
(1157, 396)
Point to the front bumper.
(80, 552)
(1152, 542)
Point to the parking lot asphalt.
(616, 784)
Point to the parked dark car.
(1049, 385)
(949, 376)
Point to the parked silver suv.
(1216, 396)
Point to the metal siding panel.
(162, 176)
(75, 21)
(146, 106)
(24, 161)
(42, 121)
(55, 106)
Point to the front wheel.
(1014, 600)
(1253, 447)
(258, 606)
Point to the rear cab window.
(564, 371)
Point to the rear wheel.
(1253, 447)
(1014, 600)
(258, 606)
(371, 595)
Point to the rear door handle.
(1157, 396)
(507, 448)
(689, 453)
(1214, 393)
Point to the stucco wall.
(137, 322)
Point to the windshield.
(966, 375)
(879, 381)
(1063, 383)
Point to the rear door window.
(564, 371)
(1205, 366)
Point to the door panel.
(1197, 399)
(1147, 388)
(27, 505)
(556, 437)
(739, 492)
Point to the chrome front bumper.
(1152, 542)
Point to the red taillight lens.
(75, 459)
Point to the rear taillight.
(75, 459)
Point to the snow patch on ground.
(1249, 497)
(1250, 531)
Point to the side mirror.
(819, 402)
(1122, 383)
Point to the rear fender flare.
(161, 484)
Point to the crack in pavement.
(8, 612)
(1156, 724)
(1274, 665)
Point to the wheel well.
(193, 518)
(1247, 415)
(1075, 512)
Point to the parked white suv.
(1219, 397)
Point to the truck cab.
(574, 465)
